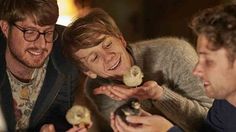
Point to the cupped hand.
(149, 123)
(149, 90)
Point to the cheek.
(17, 42)
(49, 47)
(16, 47)
(16, 37)
(213, 71)
(215, 77)
(222, 83)
(229, 80)
(95, 67)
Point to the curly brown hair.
(218, 24)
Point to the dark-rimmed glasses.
(32, 35)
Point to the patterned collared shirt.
(25, 95)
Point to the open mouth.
(206, 84)
(114, 66)
(36, 52)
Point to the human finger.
(112, 122)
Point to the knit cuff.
(169, 99)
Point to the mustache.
(38, 49)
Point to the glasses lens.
(48, 36)
(31, 35)
(55, 36)
(51, 36)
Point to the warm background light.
(67, 11)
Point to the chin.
(211, 94)
(35, 64)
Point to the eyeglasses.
(32, 35)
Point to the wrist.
(159, 93)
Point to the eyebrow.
(35, 28)
(202, 53)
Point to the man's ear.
(90, 74)
(123, 40)
(4, 27)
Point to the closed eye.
(92, 58)
(107, 45)
(95, 57)
(209, 62)
(30, 31)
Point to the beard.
(27, 61)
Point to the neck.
(232, 99)
(19, 70)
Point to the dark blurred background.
(147, 19)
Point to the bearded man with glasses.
(36, 81)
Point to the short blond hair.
(85, 32)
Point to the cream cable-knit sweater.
(168, 61)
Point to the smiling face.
(24, 53)
(108, 59)
(215, 69)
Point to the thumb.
(144, 113)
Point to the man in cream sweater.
(96, 45)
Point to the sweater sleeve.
(184, 101)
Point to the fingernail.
(127, 118)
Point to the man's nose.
(198, 70)
(108, 57)
(41, 42)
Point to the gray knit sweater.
(169, 62)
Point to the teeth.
(35, 52)
(206, 83)
(115, 65)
